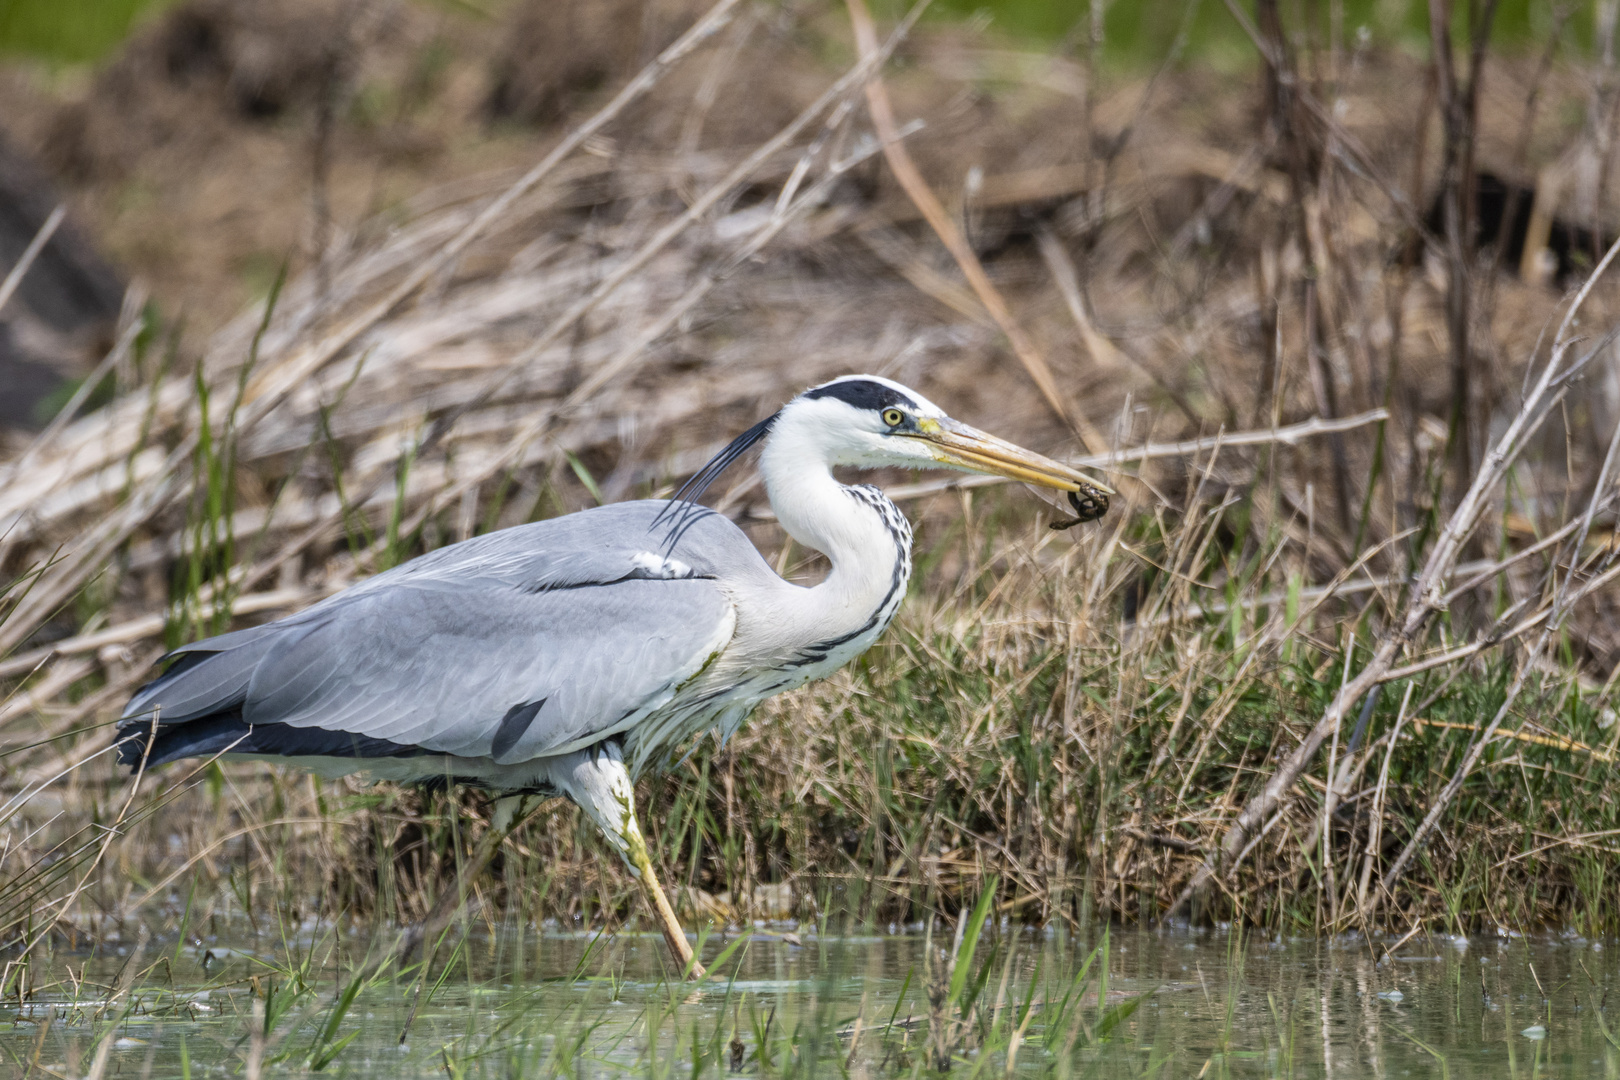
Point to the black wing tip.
(132, 740)
(229, 733)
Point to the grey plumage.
(568, 655)
(448, 652)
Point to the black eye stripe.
(863, 394)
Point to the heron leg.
(598, 781)
(636, 855)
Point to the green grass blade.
(584, 475)
(725, 954)
(340, 1008)
(325, 1058)
(970, 939)
(1121, 1012)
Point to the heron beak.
(962, 447)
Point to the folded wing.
(485, 651)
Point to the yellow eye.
(893, 417)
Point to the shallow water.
(539, 1003)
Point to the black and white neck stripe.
(899, 531)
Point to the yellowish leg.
(597, 780)
(636, 850)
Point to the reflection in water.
(549, 1003)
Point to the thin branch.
(1425, 596)
(917, 189)
(30, 253)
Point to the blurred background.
(203, 149)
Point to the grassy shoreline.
(999, 733)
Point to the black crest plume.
(684, 506)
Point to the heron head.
(870, 422)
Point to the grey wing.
(493, 657)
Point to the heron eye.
(893, 417)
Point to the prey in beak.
(959, 446)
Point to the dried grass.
(1124, 722)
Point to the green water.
(526, 1003)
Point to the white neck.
(820, 513)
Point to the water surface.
(542, 1002)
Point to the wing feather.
(440, 668)
(437, 653)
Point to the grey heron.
(570, 655)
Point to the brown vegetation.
(1106, 719)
